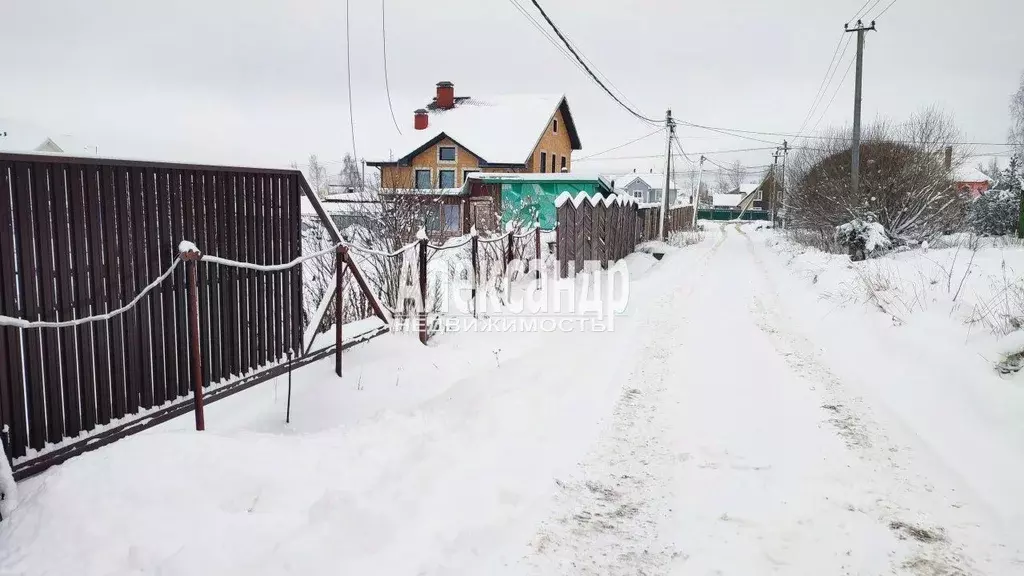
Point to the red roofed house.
(971, 181)
(454, 136)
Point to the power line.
(833, 99)
(348, 56)
(826, 80)
(387, 86)
(635, 140)
(590, 72)
(884, 10)
(552, 40)
(877, 2)
(858, 11)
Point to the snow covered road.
(731, 424)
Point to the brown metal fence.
(81, 237)
(609, 229)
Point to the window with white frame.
(758, 196)
(452, 218)
(446, 178)
(638, 194)
(422, 178)
(446, 153)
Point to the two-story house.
(454, 136)
(646, 188)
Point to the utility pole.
(785, 154)
(775, 180)
(855, 166)
(696, 196)
(668, 174)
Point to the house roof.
(652, 180)
(498, 129)
(564, 177)
(968, 174)
(729, 200)
(744, 188)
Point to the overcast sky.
(264, 83)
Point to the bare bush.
(904, 182)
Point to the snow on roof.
(968, 174)
(746, 188)
(728, 200)
(500, 129)
(652, 180)
(540, 177)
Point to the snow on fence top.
(594, 200)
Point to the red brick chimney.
(421, 120)
(445, 99)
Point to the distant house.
(727, 201)
(645, 187)
(971, 181)
(455, 136)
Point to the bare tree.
(1017, 113)
(992, 169)
(736, 175)
(350, 173)
(905, 183)
(317, 175)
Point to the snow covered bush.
(7, 486)
(998, 211)
(862, 238)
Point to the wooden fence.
(608, 229)
(81, 237)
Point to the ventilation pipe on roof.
(949, 158)
(421, 120)
(445, 99)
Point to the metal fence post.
(536, 245)
(474, 253)
(423, 290)
(191, 259)
(339, 298)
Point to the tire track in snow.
(606, 521)
(934, 553)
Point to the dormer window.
(446, 153)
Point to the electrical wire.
(348, 56)
(387, 84)
(635, 140)
(834, 94)
(856, 14)
(590, 72)
(877, 2)
(826, 80)
(886, 9)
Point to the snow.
(872, 233)
(748, 414)
(970, 174)
(1011, 344)
(538, 177)
(652, 180)
(475, 124)
(187, 246)
(8, 489)
(727, 200)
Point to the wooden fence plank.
(130, 220)
(42, 197)
(182, 228)
(11, 371)
(274, 222)
(78, 219)
(294, 216)
(28, 274)
(148, 345)
(261, 277)
(202, 223)
(251, 278)
(213, 232)
(100, 230)
(63, 251)
(158, 250)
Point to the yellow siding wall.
(553, 143)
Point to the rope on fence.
(270, 267)
(498, 239)
(398, 252)
(20, 323)
(442, 247)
